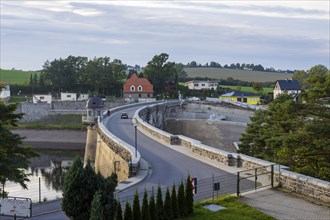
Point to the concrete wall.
(294, 182)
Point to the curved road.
(168, 165)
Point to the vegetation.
(119, 212)
(145, 207)
(159, 205)
(152, 206)
(97, 212)
(16, 76)
(128, 212)
(248, 89)
(80, 185)
(136, 207)
(14, 158)
(182, 201)
(68, 121)
(234, 210)
(292, 133)
(189, 196)
(174, 201)
(168, 205)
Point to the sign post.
(16, 207)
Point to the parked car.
(124, 115)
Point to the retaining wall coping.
(213, 150)
(188, 139)
(308, 179)
(253, 159)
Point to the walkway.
(282, 205)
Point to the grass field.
(244, 75)
(18, 77)
(235, 209)
(265, 90)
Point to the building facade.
(288, 86)
(135, 88)
(199, 85)
(246, 97)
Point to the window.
(41, 97)
(203, 84)
(132, 88)
(69, 96)
(139, 88)
(196, 84)
(139, 95)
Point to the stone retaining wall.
(291, 181)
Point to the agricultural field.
(264, 91)
(243, 75)
(17, 77)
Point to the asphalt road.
(168, 166)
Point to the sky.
(280, 34)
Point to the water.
(49, 169)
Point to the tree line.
(87, 195)
(295, 134)
(237, 66)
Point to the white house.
(42, 99)
(5, 92)
(83, 97)
(288, 86)
(67, 96)
(199, 85)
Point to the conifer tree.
(136, 207)
(152, 207)
(145, 207)
(97, 212)
(189, 196)
(174, 201)
(128, 212)
(168, 205)
(119, 212)
(160, 204)
(182, 202)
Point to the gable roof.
(240, 94)
(134, 80)
(289, 84)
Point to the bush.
(136, 207)
(174, 201)
(189, 196)
(128, 212)
(145, 206)
(119, 212)
(152, 207)
(160, 205)
(168, 206)
(97, 212)
(182, 202)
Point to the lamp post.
(135, 127)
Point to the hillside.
(15, 76)
(244, 75)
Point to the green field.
(18, 77)
(265, 90)
(243, 75)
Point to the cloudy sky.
(281, 34)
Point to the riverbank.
(53, 139)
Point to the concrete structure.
(67, 96)
(245, 97)
(94, 107)
(42, 99)
(5, 91)
(135, 88)
(288, 86)
(199, 85)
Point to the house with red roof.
(135, 88)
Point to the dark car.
(124, 115)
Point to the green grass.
(235, 209)
(244, 75)
(55, 122)
(18, 77)
(265, 90)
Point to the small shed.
(95, 106)
(67, 96)
(42, 99)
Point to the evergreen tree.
(145, 207)
(174, 201)
(97, 212)
(152, 207)
(14, 158)
(136, 207)
(159, 204)
(119, 212)
(168, 205)
(189, 196)
(182, 202)
(128, 212)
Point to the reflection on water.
(50, 168)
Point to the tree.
(193, 64)
(152, 207)
(189, 196)
(119, 212)
(159, 204)
(14, 158)
(160, 72)
(145, 206)
(168, 205)
(128, 212)
(181, 73)
(182, 202)
(97, 212)
(136, 207)
(257, 86)
(301, 76)
(174, 201)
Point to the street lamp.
(135, 140)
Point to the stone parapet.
(291, 181)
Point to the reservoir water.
(47, 175)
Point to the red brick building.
(135, 88)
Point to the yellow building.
(246, 97)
